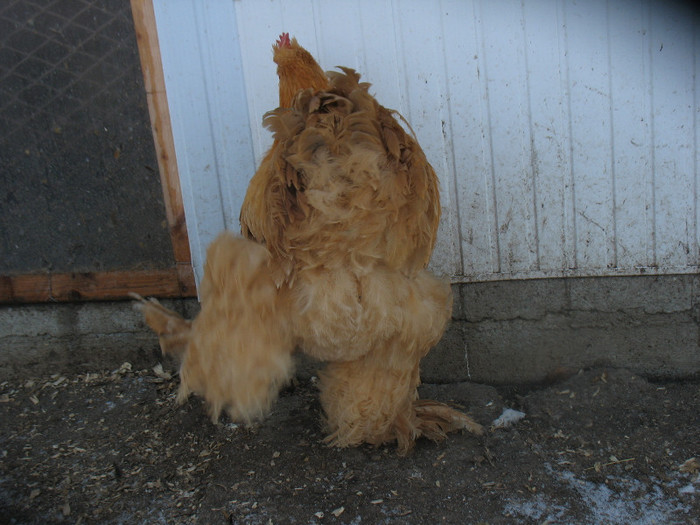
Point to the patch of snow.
(688, 489)
(638, 502)
(507, 418)
(538, 508)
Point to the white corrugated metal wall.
(564, 133)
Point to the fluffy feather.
(340, 220)
(343, 184)
(239, 348)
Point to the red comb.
(283, 40)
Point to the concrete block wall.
(509, 332)
(525, 331)
(65, 337)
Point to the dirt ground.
(602, 446)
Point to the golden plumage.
(340, 220)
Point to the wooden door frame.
(177, 281)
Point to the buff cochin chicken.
(338, 223)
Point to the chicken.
(339, 223)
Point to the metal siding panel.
(420, 43)
(339, 34)
(380, 68)
(257, 30)
(631, 136)
(508, 110)
(564, 137)
(226, 97)
(672, 81)
(206, 96)
(549, 132)
(180, 48)
(696, 132)
(471, 148)
(589, 85)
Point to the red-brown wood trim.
(62, 287)
(156, 96)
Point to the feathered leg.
(374, 399)
(370, 402)
(364, 402)
(237, 353)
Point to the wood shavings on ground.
(113, 447)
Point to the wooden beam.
(63, 287)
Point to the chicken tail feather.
(173, 331)
(429, 419)
(436, 419)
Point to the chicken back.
(343, 184)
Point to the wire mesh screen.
(79, 184)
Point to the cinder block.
(502, 300)
(30, 321)
(448, 362)
(647, 324)
(651, 294)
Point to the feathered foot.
(373, 399)
(366, 403)
(237, 353)
(429, 419)
(173, 331)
